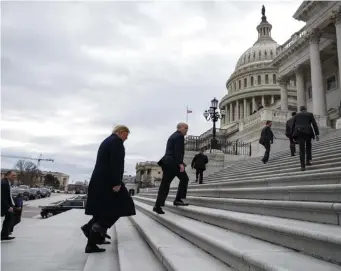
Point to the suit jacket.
(175, 151)
(304, 124)
(199, 161)
(6, 201)
(108, 172)
(288, 127)
(266, 136)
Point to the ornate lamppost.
(213, 115)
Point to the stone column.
(272, 99)
(236, 117)
(319, 95)
(231, 112)
(227, 115)
(337, 22)
(245, 109)
(283, 83)
(301, 98)
(263, 101)
(254, 105)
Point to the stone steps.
(332, 152)
(320, 212)
(318, 240)
(175, 253)
(241, 252)
(317, 193)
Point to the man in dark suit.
(7, 205)
(199, 163)
(304, 129)
(266, 139)
(108, 198)
(288, 134)
(172, 164)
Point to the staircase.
(252, 216)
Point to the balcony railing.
(195, 143)
(294, 38)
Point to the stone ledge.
(174, 252)
(239, 251)
(318, 240)
(321, 212)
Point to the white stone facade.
(311, 56)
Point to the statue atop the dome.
(263, 10)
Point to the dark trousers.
(7, 225)
(304, 142)
(292, 146)
(167, 177)
(98, 225)
(266, 156)
(16, 219)
(199, 174)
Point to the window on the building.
(310, 92)
(235, 86)
(259, 80)
(260, 53)
(271, 53)
(265, 53)
(254, 54)
(239, 84)
(274, 80)
(249, 57)
(245, 82)
(294, 83)
(266, 79)
(331, 82)
(252, 81)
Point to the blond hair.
(121, 128)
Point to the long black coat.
(175, 151)
(267, 136)
(108, 172)
(6, 201)
(304, 124)
(199, 161)
(288, 127)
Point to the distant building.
(148, 174)
(62, 178)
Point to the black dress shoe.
(158, 210)
(93, 249)
(104, 243)
(7, 238)
(179, 203)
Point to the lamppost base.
(215, 144)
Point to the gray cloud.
(72, 70)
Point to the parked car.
(24, 191)
(62, 206)
(35, 193)
(45, 192)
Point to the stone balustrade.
(250, 120)
(294, 38)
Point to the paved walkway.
(44, 201)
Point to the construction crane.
(29, 158)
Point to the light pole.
(213, 115)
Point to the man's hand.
(10, 209)
(116, 188)
(182, 168)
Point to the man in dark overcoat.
(266, 139)
(288, 134)
(304, 129)
(199, 163)
(108, 198)
(172, 164)
(7, 204)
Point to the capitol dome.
(264, 49)
(254, 84)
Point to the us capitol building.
(271, 80)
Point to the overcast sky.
(71, 71)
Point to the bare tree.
(50, 180)
(28, 172)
